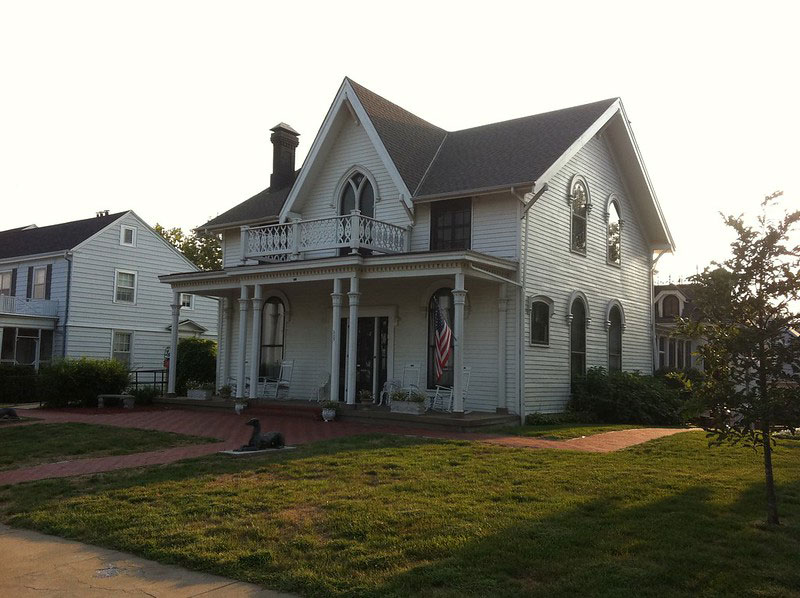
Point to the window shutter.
(13, 282)
(49, 281)
(29, 288)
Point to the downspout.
(653, 339)
(521, 298)
(68, 257)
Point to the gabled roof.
(411, 142)
(264, 205)
(509, 153)
(18, 242)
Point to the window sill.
(576, 252)
(542, 345)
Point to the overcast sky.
(165, 107)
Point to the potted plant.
(198, 390)
(225, 391)
(409, 402)
(364, 396)
(239, 406)
(329, 410)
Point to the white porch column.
(240, 374)
(352, 336)
(255, 341)
(227, 340)
(336, 342)
(459, 298)
(173, 343)
(502, 310)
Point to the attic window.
(127, 236)
(670, 307)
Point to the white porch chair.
(410, 382)
(323, 387)
(271, 388)
(389, 387)
(444, 397)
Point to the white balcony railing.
(10, 304)
(281, 242)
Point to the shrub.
(552, 419)
(79, 381)
(145, 395)
(686, 383)
(226, 391)
(197, 361)
(626, 398)
(17, 383)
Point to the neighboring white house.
(674, 352)
(535, 235)
(90, 288)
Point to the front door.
(372, 341)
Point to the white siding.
(231, 247)
(93, 312)
(553, 270)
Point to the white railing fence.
(10, 304)
(281, 242)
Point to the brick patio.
(229, 428)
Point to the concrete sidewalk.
(34, 564)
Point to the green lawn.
(395, 516)
(562, 431)
(22, 446)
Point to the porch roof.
(405, 265)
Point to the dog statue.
(8, 413)
(271, 440)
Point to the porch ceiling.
(406, 265)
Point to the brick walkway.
(229, 428)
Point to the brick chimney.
(284, 141)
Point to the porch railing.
(10, 304)
(290, 240)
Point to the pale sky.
(165, 107)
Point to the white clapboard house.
(536, 236)
(90, 288)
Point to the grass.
(23, 446)
(394, 516)
(562, 431)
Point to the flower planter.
(198, 393)
(408, 407)
(329, 414)
(239, 406)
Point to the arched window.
(579, 207)
(670, 307)
(577, 345)
(273, 324)
(540, 323)
(614, 339)
(614, 233)
(357, 194)
(444, 299)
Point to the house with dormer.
(535, 237)
(90, 288)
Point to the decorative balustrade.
(9, 304)
(288, 241)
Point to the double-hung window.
(451, 224)
(5, 282)
(39, 290)
(125, 287)
(122, 345)
(187, 301)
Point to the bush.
(626, 398)
(686, 383)
(145, 395)
(79, 381)
(197, 361)
(17, 383)
(554, 419)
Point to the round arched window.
(577, 338)
(615, 339)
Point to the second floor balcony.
(9, 304)
(289, 241)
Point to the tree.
(201, 248)
(745, 314)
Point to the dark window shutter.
(29, 288)
(49, 281)
(13, 282)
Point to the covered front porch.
(347, 325)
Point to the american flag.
(442, 340)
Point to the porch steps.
(256, 407)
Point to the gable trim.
(345, 95)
